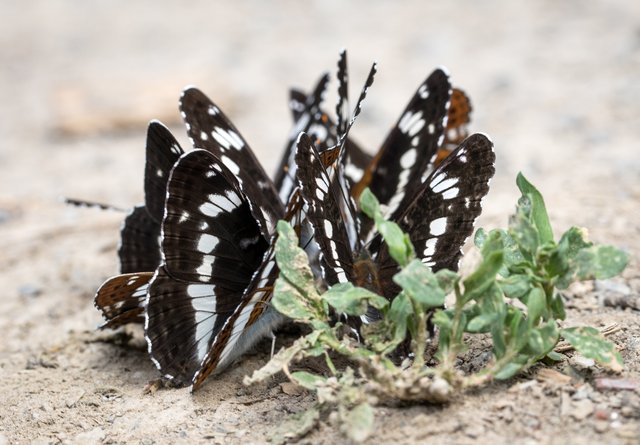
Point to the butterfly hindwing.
(139, 249)
(441, 216)
(121, 299)
(458, 119)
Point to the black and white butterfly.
(208, 302)
(438, 218)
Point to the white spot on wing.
(206, 243)
(443, 185)
(438, 226)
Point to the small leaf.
(600, 262)
(292, 260)
(516, 286)
(538, 209)
(589, 342)
(557, 307)
(358, 422)
(295, 426)
(447, 280)
(508, 371)
(523, 230)
(369, 204)
(481, 323)
(480, 237)
(483, 277)
(421, 285)
(536, 305)
(308, 380)
(288, 300)
(400, 312)
(555, 356)
(349, 299)
(399, 244)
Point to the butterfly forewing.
(321, 194)
(207, 219)
(162, 152)
(297, 103)
(406, 155)
(210, 129)
(310, 120)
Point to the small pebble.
(29, 291)
(581, 409)
(613, 286)
(601, 426)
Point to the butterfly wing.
(139, 248)
(121, 299)
(311, 120)
(458, 120)
(408, 151)
(441, 216)
(212, 246)
(210, 129)
(321, 194)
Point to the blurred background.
(555, 84)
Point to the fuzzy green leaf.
(288, 300)
(349, 299)
(600, 262)
(398, 242)
(420, 284)
(536, 305)
(295, 426)
(508, 371)
(292, 260)
(523, 231)
(538, 209)
(516, 286)
(484, 276)
(447, 280)
(369, 204)
(589, 342)
(359, 422)
(400, 312)
(481, 323)
(308, 380)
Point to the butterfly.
(207, 303)
(438, 218)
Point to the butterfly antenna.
(342, 107)
(91, 204)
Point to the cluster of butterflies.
(197, 259)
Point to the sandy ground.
(556, 85)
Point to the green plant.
(512, 295)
